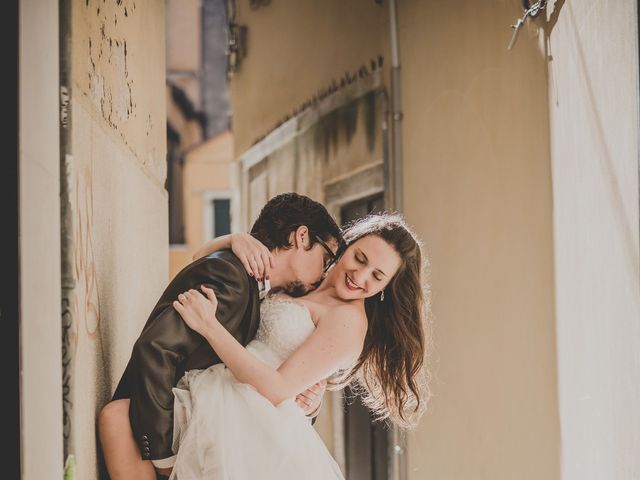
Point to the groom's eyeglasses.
(332, 256)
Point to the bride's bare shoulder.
(349, 315)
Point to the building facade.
(199, 139)
(517, 168)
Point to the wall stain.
(371, 120)
(349, 78)
(343, 121)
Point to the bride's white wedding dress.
(224, 429)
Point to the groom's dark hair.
(286, 212)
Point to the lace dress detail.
(284, 326)
(224, 429)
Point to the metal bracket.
(529, 11)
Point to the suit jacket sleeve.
(166, 341)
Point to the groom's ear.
(301, 237)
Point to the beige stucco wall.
(40, 386)
(486, 130)
(116, 170)
(477, 189)
(295, 49)
(593, 104)
(480, 200)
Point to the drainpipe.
(397, 460)
(396, 111)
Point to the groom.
(304, 240)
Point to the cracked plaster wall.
(116, 170)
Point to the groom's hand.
(311, 399)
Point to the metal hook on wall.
(529, 11)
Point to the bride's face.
(365, 268)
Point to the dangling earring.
(382, 296)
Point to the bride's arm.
(254, 255)
(213, 245)
(332, 345)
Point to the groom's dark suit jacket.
(167, 347)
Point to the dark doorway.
(221, 216)
(366, 442)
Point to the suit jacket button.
(144, 437)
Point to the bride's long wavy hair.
(390, 375)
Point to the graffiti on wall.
(80, 297)
(88, 305)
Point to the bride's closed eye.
(361, 260)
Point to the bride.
(363, 326)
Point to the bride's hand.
(198, 311)
(311, 399)
(256, 258)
